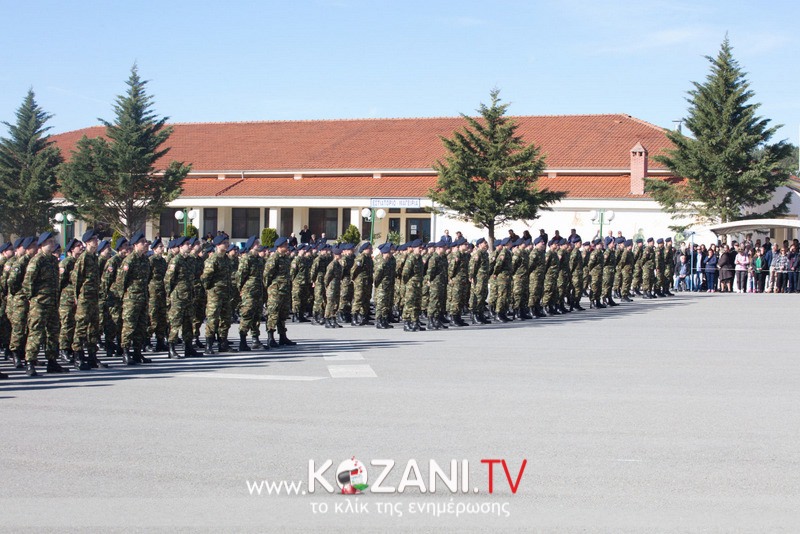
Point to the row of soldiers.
(167, 292)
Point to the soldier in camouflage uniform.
(659, 279)
(236, 299)
(218, 279)
(412, 279)
(133, 278)
(609, 269)
(576, 273)
(197, 262)
(333, 286)
(551, 267)
(669, 267)
(346, 292)
(112, 307)
(300, 273)
(457, 270)
(6, 253)
(627, 270)
(501, 276)
(648, 266)
(536, 277)
(636, 282)
(479, 281)
(250, 280)
(361, 274)
(158, 298)
(318, 268)
(596, 273)
(86, 278)
(436, 280)
(385, 275)
(564, 275)
(66, 300)
(17, 305)
(179, 286)
(40, 287)
(278, 287)
(519, 279)
(399, 285)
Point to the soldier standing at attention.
(217, 279)
(412, 279)
(18, 300)
(385, 274)
(479, 281)
(179, 285)
(66, 301)
(112, 320)
(236, 300)
(131, 284)
(551, 265)
(6, 253)
(536, 269)
(669, 266)
(596, 272)
(436, 278)
(40, 287)
(301, 283)
(318, 268)
(333, 283)
(456, 272)
(251, 290)
(609, 268)
(86, 281)
(346, 297)
(627, 270)
(648, 266)
(196, 261)
(658, 281)
(576, 270)
(564, 276)
(502, 280)
(361, 274)
(279, 288)
(158, 297)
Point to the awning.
(752, 225)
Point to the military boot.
(598, 304)
(271, 339)
(197, 343)
(356, 319)
(30, 369)
(502, 317)
(223, 345)
(128, 357)
(283, 340)
(66, 356)
(294, 318)
(191, 352)
(379, 324)
(458, 321)
(243, 346)
(173, 351)
(611, 302)
(301, 318)
(94, 361)
(140, 357)
(80, 361)
(407, 326)
(329, 323)
(256, 344)
(55, 368)
(386, 323)
(161, 345)
(418, 326)
(210, 344)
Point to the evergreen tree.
(28, 167)
(489, 174)
(115, 180)
(727, 164)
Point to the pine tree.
(28, 168)
(489, 174)
(115, 180)
(727, 164)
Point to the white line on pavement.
(351, 371)
(252, 377)
(343, 356)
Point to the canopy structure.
(752, 225)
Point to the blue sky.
(326, 59)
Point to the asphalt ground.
(678, 414)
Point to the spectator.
(447, 238)
(793, 260)
(711, 270)
(292, 240)
(773, 265)
(323, 238)
(759, 271)
(742, 262)
(313, 239)
(780, 265)
(683, 273)
(305, 234)
(726, 269)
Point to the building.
(284, 175)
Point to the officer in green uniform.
(250, 287)
(133, 278)
(576, 273)
(112, 310)
(86, 279)
(179, 286)
(479, 281)
(609, 268)
(638, 253)
(501, 277)
(648, 268)
(385, 276)
(669, 267)
(536, 276)
(596, 273)
(436, 278)
(318, 268)
(333, 286)
(361, 274)
(158, 298)
(627, 267)
(218, 282)
(346, 291)
(66, 300)
(279, 287)
(412, 279)
(551, 266)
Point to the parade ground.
(676, 414)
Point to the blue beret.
(659, 241)
(364, 246)
(519, 242)
(505, 241)
(629, 242)
(207, 248)
(5, 247)
(89, 235)
(668, 240)
(193, 240)
(619, 240)
(156, 243)
(480, 240)
(575, 239)
(71, 243)
(385, 248)
(597, 241)
(280, 242)
(403, 247)
(250, 242)
(138, 236)
(28, 241)
(607, 241)
(460, 241)
(649, 239)
(58, 247)
(18, 242)
(562, 241)
(336, 251)
(122, 241)
(586, 243)
(179, 241)
(415, 243)
(218, 239)
(538, 240)
(44, 236)
(271, 249)
(103, 245)
(640, 240)
(148, 253)
(498, 242)
(232, 247)
(171, 244)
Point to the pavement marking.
(351, 371)
(252, 377)
(343, 356)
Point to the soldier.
(501, 275)
(6, 253)
(318, 268)
(576, 273)
(233, 255)
(218, 281)
(197, 257)
(412, 279)
(564, 275)
(551, 267)
(536, 276)
(85, 279)
(669, 267)
(40, 287)
(596, 272)
(158, 297)
(66, 301)
(627, 271)
(658, 281)
(346, 297)
(133, 278)
(250, 281)
(399, 285)
(112, 309)
(384, 282)
(278, 287)
(648, 266)
(333, 284)
(361, 274)
(609, 268)
(179, 286)
(479, 281)
(457, 270)
(436, 279)
(18, 304)
(301, 283)
(636, 282)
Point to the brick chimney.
(638, 169)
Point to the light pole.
(370, 215)
(185, 216)
(600, 217)
(66, 221)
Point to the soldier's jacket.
(502, 263)
(41, 282)
(437, 272)
(519, 264)
(66, 290)
(3, 261)
(158, 269)
(596, 263)
(361, 271)
(479, 266)
(638, 255)
(563, 264)
(178, 282)
(347, 268)
(108, 285)
(669, 258)
(412, 269)
(133, 277)
(197, 265)
(659, 259)
(618, 257)
(251, 274)
(385, 273)
(333, 276)
(318, 268)
(609, 261)
(628, 261)
(218, 274)
(276, 274)
(576, 263)
(551, 264)
(85, 277)
(537, 264)
(16, 275)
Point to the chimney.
(638, 169)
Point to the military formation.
(153, 297)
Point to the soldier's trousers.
(456, 297)
(19, 322)
(435, 298)
(384, 298)
(42, 329)
(597, 285)
(332, 296)
(278, 311)
(536, 290)
(66, 315)
(480, 292)
(503, 293)
(319, 297)
(158, 315)
(218, 312)
(112, 318)
(550, 290)
(608, 283)
(412, 300)
(199, 308)
(648, 279)
(636, 282)
(576, 289)
(627, 276)
(180, 315)
(134, 320)
(346, 296)
(87, 322)
(250, 314)
(669, 273)
(5, 331)
(361, 296)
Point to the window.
(245, 222)
(346, 214)
(394, 210)
(394, 224)
(323, 220)
(168, 225)
(287, 221)
(416, 210)
(210, 221)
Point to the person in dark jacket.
(711, 271)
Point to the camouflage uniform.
(250, 281)
(627, 273)
(300, 273)
(40, 287)
(596, 272)
(362, 273)
(66, 303)
(278, 287)
(502, 280)
(86, 278)
(346, 291)
(648, 266)
(385, 275)
(112, 303)
(412, 280)
(537, 269)
(333, 286)
(158, 299)
(218, 281)
(399, 286)
(638, 254)
(479, 275)
(564, 277)
(179, 285)
(669, 267)
(457, 265)
(551, 266)
(200, 294)
(576, 270)
(318, 268)
(609, 268)
(17, 306)
(436, 280)
(5, 324)
(132, 281)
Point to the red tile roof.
(569, 141)
(595, 186)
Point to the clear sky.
(235, 60)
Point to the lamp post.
(600, 217)
(370, 214)
(185, 216)
(66, 221)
